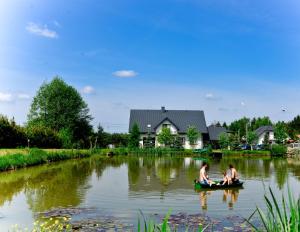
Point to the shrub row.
(246, 152)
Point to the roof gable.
(215, 131)
(259, 131)
(181, 119)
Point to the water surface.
(120, 186)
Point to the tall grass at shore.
(246, 153)
(280, 216)
(37, 156)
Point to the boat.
(218, 185)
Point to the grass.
(246, 153)
(37, 156)
(279, 218)
(152, 226)
(161, 152)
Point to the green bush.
(278, 150)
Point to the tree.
(293, 127)
(234, 141)
(225, 125)
(11, 135)
(258, 122)
(280, 132)
(266, 141)
(165, 136)
(60, 106)
(65, 137)
(134, 138)
(224, 140)
(239, 126)
(252, 138)
(101, 137)
(192, 135)
(42, 136)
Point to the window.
(165, 125)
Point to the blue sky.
(229, 58)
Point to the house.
(261, 133)
(214, 134)
(151, 122)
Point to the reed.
(281, 215)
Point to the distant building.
(262, 131)
(214, 134)
(151, 122)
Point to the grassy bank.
(246, 153)
(161, 152)
(31, 157)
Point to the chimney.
(163, 109)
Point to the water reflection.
(164, 183)
(229, 197)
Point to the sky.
(230, 58)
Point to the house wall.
(172, 128)
(198, 145)
(261, 137)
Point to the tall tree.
(134, 138)
(192, 135)
(252, 138)
(224, 140)
(58, 105)
(280, 132)
(239, 126)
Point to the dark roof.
(181, 119)
(259, 131)
(215, 131)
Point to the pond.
(119, 187)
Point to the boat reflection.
(229, 197)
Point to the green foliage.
(281, 216)
(57, 106)
(293, 127)
(177, 143)
(165, 137)
(239, 126)
(246, 153)
(134, 138)
(266, 141)
(37, 156)
(119, 139)
(101, 137)
(65, 137)
(258, 122)
(11, 135)
(42, 136)
(234, 141)
(252, 138)
(224, 140)
(278, 150)
(161, 151)
(280, 132)
(192, 135)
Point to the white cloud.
(23, 96)
(243, 103)
(6, 97)
(125, 73)
(88, 89)
(57, 24)
(41, 30)
(210, 96)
